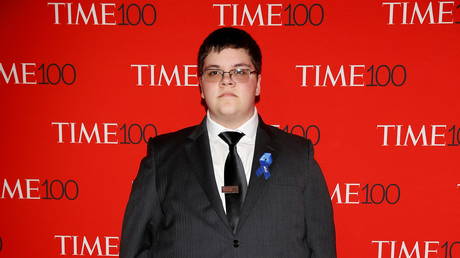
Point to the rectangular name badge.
(227, 189)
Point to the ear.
(201, 93)
(259, 78)
(201, 88)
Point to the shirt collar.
(249, 128)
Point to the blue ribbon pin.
(265, 161)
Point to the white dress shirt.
(219, 149)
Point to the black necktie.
(234, 176)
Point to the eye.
(212, 73)
(240, 71)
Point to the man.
(231, 186)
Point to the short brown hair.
(229, 37)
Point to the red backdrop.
(373, 83)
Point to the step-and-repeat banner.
(374, 85)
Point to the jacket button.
(236, 243)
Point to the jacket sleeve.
(319, 217)
(143, 212)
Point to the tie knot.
(231, 138)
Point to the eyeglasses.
(236, 75)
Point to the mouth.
(227, 94)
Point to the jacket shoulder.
(170, 140)
(291, 143)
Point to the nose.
(226, 80)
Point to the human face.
(230, 103)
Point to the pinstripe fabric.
(175, 210)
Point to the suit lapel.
(257, 185)
(199, 154)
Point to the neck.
(231, 122)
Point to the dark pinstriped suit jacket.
(175, 210)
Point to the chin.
(228, 112)
(227, 107)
